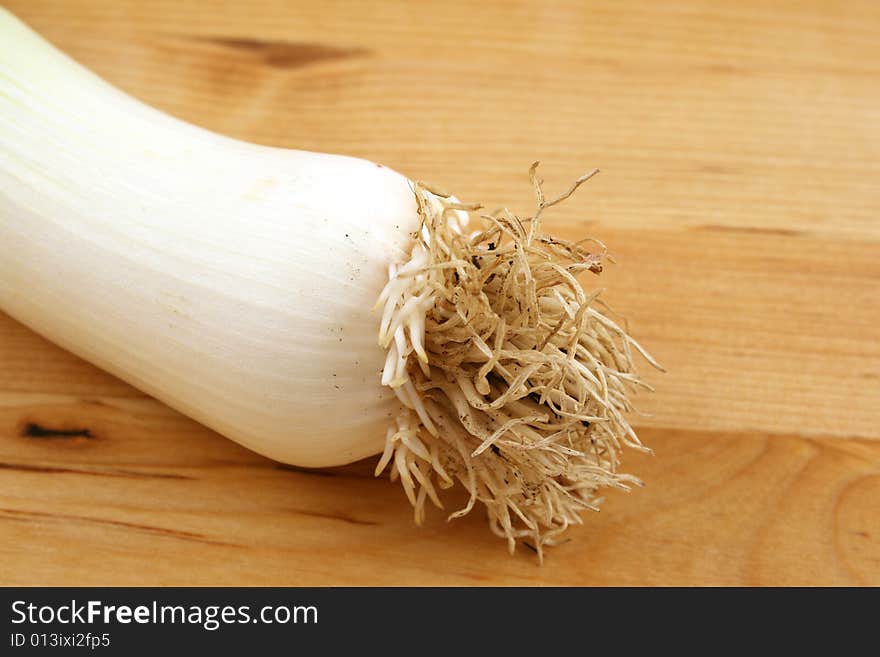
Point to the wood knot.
(35, 430)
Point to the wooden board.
(739, 144)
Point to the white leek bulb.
(236, 283)
(232, 281)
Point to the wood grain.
(740, 151)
